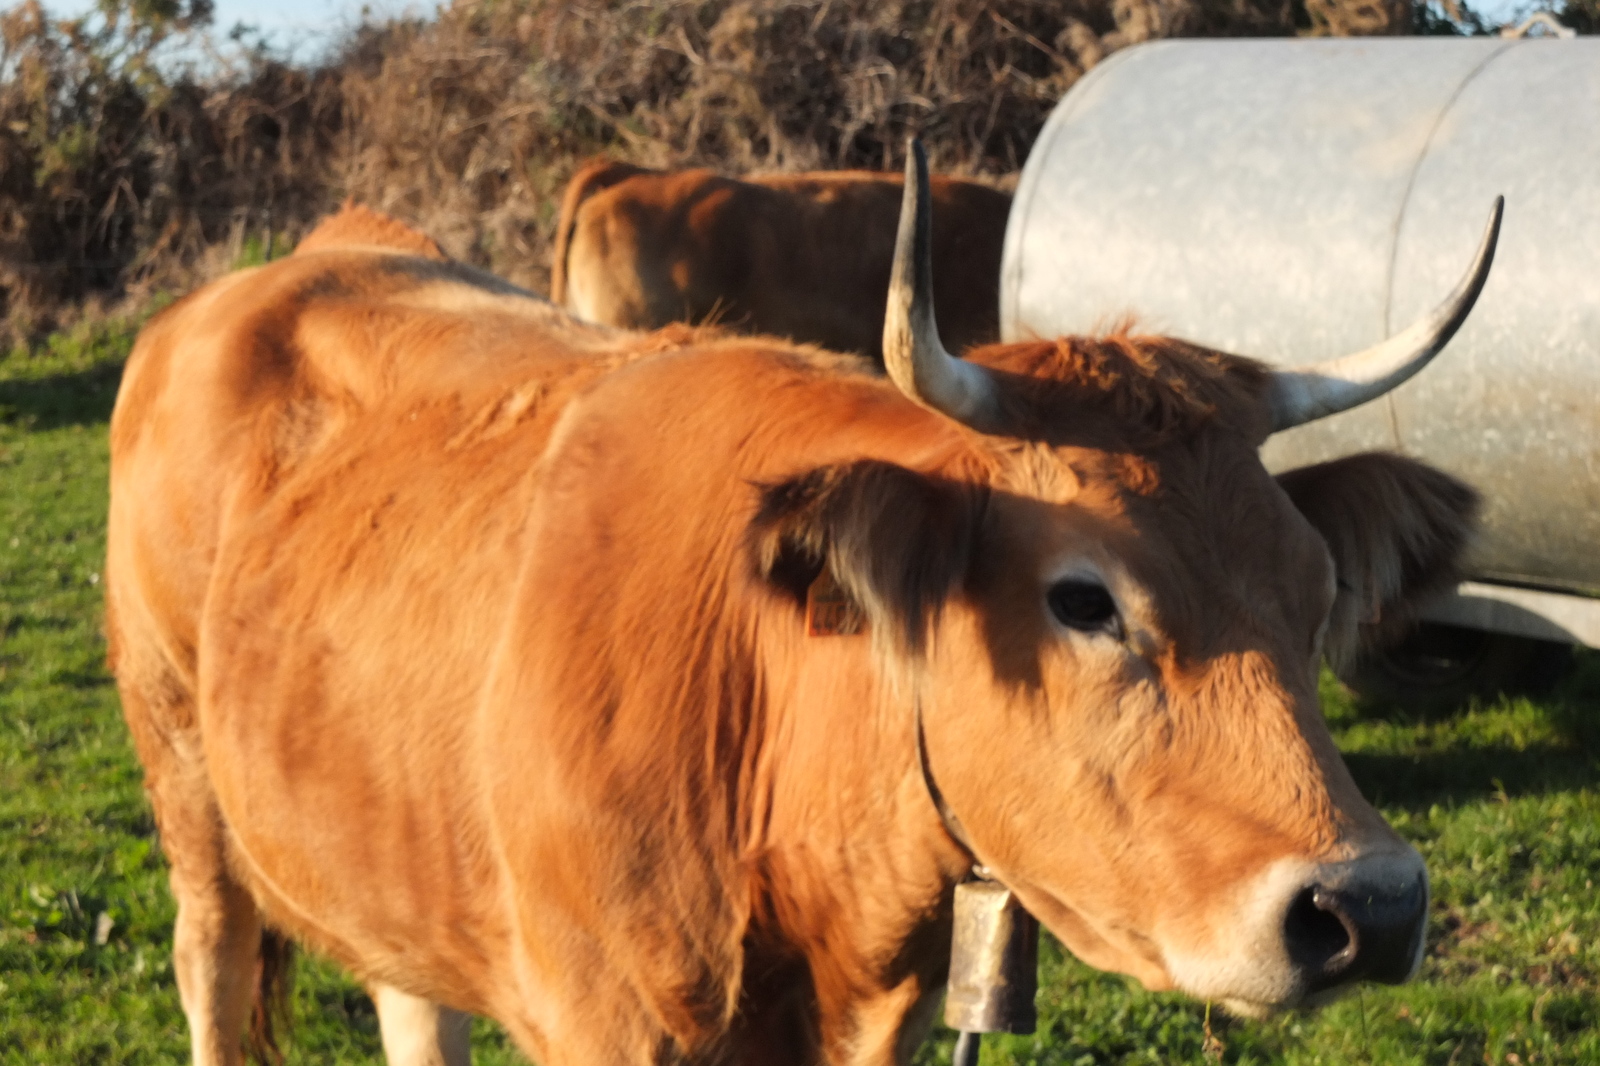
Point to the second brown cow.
(804, 256)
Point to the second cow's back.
(804, 256)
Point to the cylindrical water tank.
(1296, 200)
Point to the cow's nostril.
(1360, 931)
(1318, 938)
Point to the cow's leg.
(217, 936)
(419, 1032)
(882, 1027)
(214, 948)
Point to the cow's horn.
(912, 351)
(1298, 396)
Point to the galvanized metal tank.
(1299, 199)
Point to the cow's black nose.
(1356, 933)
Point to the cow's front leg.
(214, 947)
(884, 1029)
(419, 1032)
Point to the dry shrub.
(468, 125)
(118, 176)
(1359, 18)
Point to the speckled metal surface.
(1296, 200)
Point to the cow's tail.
(595, 176)
(269, 1007)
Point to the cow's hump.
(359, 225)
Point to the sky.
(305, 26)
(302, 26)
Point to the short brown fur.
(594, 176)
(463, 642)
(804, 256)
(356, 225)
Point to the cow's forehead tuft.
(1151, 390)
(1058, 475)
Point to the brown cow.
(804, 256)
(466, 643)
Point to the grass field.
(1503, 800)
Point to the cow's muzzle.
(1355, 925)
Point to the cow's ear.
(894, 541)
(1396, 529)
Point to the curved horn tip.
(913, 354)
(1308, 393)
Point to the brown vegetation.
(114, 177)
(120, 176)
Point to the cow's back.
(838, 268)
(227, 389)
(804, 256)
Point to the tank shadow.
(1445, 778)
(1476, 754)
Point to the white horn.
(1299, 396)
(913, 354)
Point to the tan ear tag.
(830, 612)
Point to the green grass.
(1502, 800)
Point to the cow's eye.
(1084, 605)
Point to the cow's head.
(1113, 619)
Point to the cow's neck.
(855, 868)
